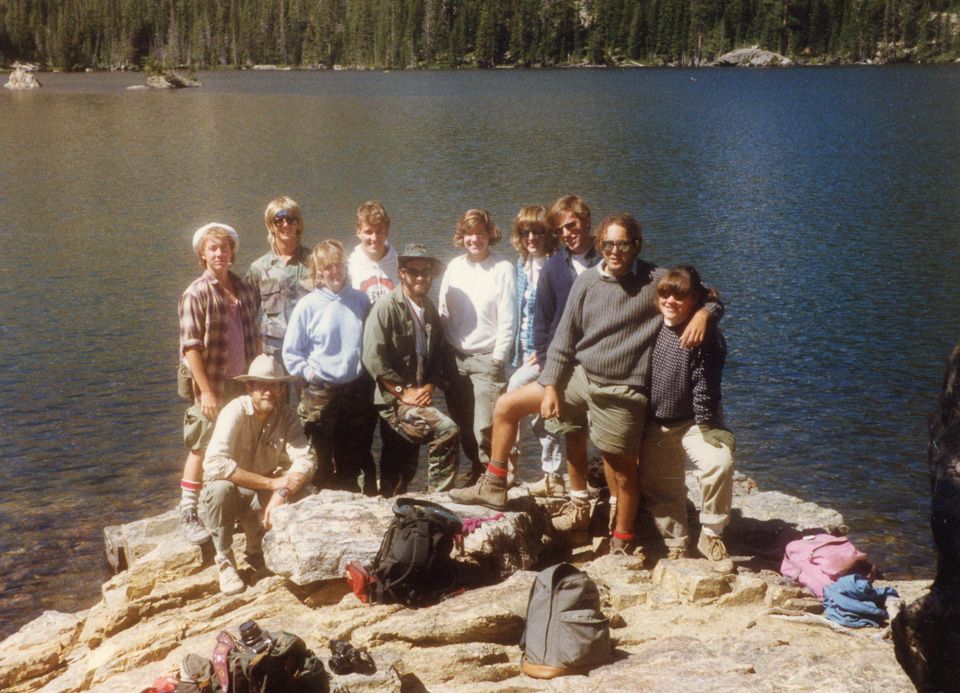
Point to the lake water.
(822, 202)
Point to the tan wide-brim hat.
(418, 251)
(266, 368)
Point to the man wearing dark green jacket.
(403, 349)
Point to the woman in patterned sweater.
(685, 417)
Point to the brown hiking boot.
(713, 549)
(573, 515)
(490, 491)
(550, 486)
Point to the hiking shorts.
(197, 428)
(616, 413)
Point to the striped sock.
(189, 493)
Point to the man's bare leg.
(624, 468)
(511, 407)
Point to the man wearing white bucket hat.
(218, 340)
(258, 458)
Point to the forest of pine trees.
(77, 34)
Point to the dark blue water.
(822, 202)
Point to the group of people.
(292, 369)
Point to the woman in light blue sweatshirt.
(322, 346)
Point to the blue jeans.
(551, 454)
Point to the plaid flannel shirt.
(204, 323)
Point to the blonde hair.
(327, 252)
(372, 213)
(569, 203)
(532, 216)
(471, 218)
(216, 233)
(281, 204)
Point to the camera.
(253, 638)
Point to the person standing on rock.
(404, 351)
(597, 370)
(684, 416)
(535, 243)
(282, 275)
(478, 306)
(258, 459)
(323, 348)
(218, 340)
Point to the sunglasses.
(569, 226)
(536, 233)
(668, 291)
(417, 274)
(622, 246)
(281, 218)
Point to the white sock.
(580, 496)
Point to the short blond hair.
(216, 233)
(281, 204)
(568, 203)
(327, 252)
(372, 212)
(471, 218)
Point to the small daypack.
(817, 560)
(414, 565)
(565, 632)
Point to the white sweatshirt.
(478, 306)
(373, 278)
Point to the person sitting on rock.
(282, 275)
(684, 415)
(404, 351)
(597, 367)
(323, 346)
(258, 458)
(478, 306)
(218, 340)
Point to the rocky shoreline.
(675, 624)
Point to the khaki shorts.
(197, 428)
(616, 413)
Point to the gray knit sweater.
(609, 327)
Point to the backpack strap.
(221, 651)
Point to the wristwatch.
(283, 492)
(398, 389)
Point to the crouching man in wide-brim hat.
(258, 458)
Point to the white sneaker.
(230, 582)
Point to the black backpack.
(414, 565)
(565, 631)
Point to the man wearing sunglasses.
(282, 275)
(403, 349)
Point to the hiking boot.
(573, 515)
(713, 549)
(190, 526)
(622, 547)
(490, 491)
(511, 473)
(550, 486)
(230, 582)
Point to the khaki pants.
(472, 394)
(662, 489)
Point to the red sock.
(497, 469)
(625, 536)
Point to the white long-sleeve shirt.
(375, 278)
(478, 306)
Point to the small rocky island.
(675, 624)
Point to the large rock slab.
(39, 648)
(752, 57)
(315, 538)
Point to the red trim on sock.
(497, 471)
(191, 485)
(627, 536)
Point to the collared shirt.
(204, 324)
(281, 284)
(241, 440)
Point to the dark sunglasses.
(668, 291)
(284, 217)
(622, 246)
(536, 233)
(417, 274)
(569, 226)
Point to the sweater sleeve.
(543, 311)
(706, 377)
(506, 312)
(562, 352)
(296, 343)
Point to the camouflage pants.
(339, 421)
(416, 426)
